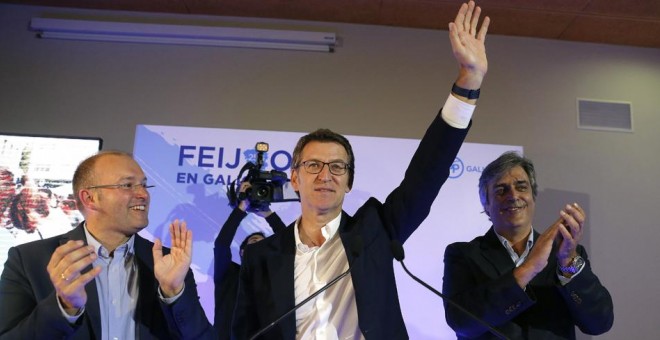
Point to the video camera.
(265, 186)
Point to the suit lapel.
(495, 254)
(146, 304)
(284, 251)
(146, 282)
(349, 237)
(92, 309)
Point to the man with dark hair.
(254, 238)
(283, 270)
(527, 285)
(226, 272)
(102, 280)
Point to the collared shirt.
(117, 287)
(333, 313)
(517, 260)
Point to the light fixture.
(183, 34)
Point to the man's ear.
(87, 199)
(294, 179)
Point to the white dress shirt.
(332, 315)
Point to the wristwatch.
(575, 266)
(469, 94)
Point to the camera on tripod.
(265, 186)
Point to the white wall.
(383, 81)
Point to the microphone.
(356, 249)
(397, 251)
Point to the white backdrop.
(192, 166)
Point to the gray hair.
(497, 168)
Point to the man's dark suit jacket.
(226, 272)
(479, 276)
(266, 289)
(29, 309)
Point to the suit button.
(576, 298)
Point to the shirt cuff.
(171, 300)
(69, 318)
(457, 113)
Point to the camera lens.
(263, 192)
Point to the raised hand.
(65, 271)
(570, 232)
(170, 270)
(244, 203)
(468, 45)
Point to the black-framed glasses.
(123, 186)
(336, 168)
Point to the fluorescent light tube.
(183, 34)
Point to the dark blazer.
(479, 276)
(266, 289)
(226, 272)
(29, 309)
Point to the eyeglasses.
(314, 167)
(124, 186)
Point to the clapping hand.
(571, 224)
(171, 269)
(65, 270)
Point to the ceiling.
(618, 22)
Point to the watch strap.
(575, 266)
(469, 94)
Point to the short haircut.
(84, 175)
(326, 136)
(499, 167)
